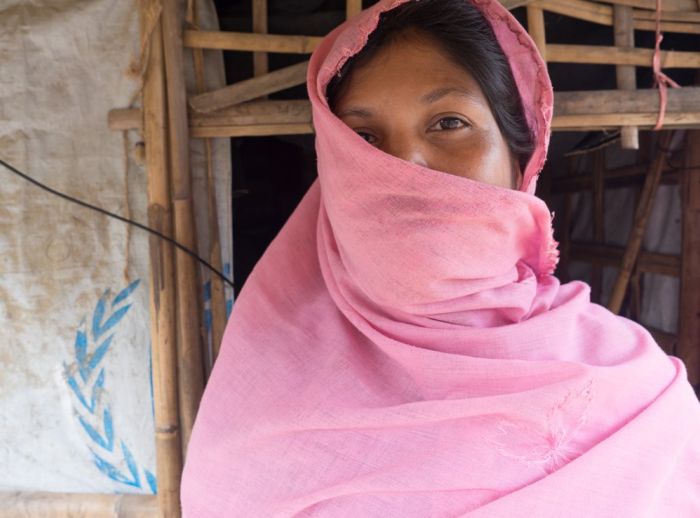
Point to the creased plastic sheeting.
(75, 389)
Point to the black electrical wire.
(120, 218)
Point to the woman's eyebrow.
(357, 112)
(439, 93)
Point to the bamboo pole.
(253, 130)
(260, 60)
(689, 308)
(190, 370)
(162, 285)
(626, 75)
(245, 41)
(352, 8)
(41, 504)
(598, 215)
(640, 221)
(669, 5)
(217, 302)
(604, 55)
(535, 26)
(250, 88)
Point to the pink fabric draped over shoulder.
(402, 349)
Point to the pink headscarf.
(402, 349)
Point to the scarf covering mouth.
(403, 350)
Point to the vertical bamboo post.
(535, 26)
(641, 216)
(623, 21)
(162, 285)
(352, 8)
(260, 59)
(190, 371)
(598, 220)
(688, 347)
(218, 297)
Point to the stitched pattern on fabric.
(550, 444)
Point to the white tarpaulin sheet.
(76, 411)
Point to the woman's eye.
(367, 136)
(449, 123)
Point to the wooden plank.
(41, 504)
(260, 62)
(162, 285)
(608, 255)
(245, 41)
(535, 26)
(625, 74)
(603, 55)
(250, 88)
(257, 112)
(641, 217)
(689, 309)
(190, 368)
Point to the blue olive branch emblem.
(86, 379)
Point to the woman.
(402, 349)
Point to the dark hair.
(469, 40)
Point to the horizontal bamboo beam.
(601, 55)
(668, 5)
(603, 15)
(41, 504)
(246, 41)
(572, 110)
(250, 88)
(252, 130)
(619, 177)
(608, 255)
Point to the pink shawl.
(403, 350)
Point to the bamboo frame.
(260, 59)
(218, 297)
(162, 285)
(190, 369)
(249, 89)
(608, 255)
(640, 220)
(625, 74)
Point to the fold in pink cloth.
(403, 350)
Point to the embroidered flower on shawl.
(550, 444)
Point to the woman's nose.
(408, 149)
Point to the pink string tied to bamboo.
(660, 79)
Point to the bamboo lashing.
(217, 302)
(626, 75)
(250, 88)
(661, 80)
(162, 285)
(190, 370)
(641, 217)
